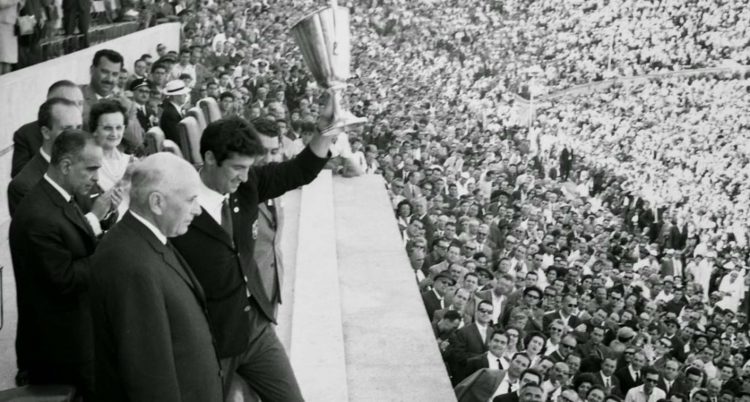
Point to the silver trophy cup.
(324, 39)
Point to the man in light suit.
(270, 219)
(51, 242)
(220, 242)
(152, 336)
(55, 115)
(105, 72)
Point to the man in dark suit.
(151, 330)
(434, 299)
(565, 313)
(493, 358)
(606, 378)
(470, 341)
(175, 95)
(55, 115)
(630, 375)
(51, 242)
(105, 70)
(219, 248)
(567, 346)
(28, 139)
(141, 89)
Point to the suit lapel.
(68, 209)
(205, 223)
(170, 255)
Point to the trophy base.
(340, 123)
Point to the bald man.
(152, 337)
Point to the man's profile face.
(82, 172)
(181, 205)
(231, 173)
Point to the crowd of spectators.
(597, 254)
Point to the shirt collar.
(211, 201)
(159, 235)
(59, 189)
(44, 155)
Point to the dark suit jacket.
(626, 381)
(464, 344)
(480, 386)
(153, 340)
(50, 244)
(225, 267)
(25, 180)
(170, 117)
(144, 119)
(478, 362)
(26, 142)
(431, 303)
(614, 383)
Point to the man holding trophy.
(219, 243)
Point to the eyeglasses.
(573, 305)
(556, 329)
(533, 296)
(485, 311)
(563, 345)
(652, 380)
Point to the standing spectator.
(9, 10)
(175, 95)
(77, 14)
(153, 339)
(51, 242)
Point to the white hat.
(176, 87)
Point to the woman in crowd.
(107, 123)
(534, 347)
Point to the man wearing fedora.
(175, 96)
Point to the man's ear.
(209, 159)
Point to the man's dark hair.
(533, 372)
(679, 396)
(61, 84)
(583, 378)
(266, 127)
(69, 144)
(145, 56)
(108, 54)
(226, 94)
(693, 371)
(452, 315)
(231, 135)
(44, 117)
(105, 106)
(487, 302)
(702, 392)
(158, 65)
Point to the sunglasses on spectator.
(556, 329)
(565, 345)
(485, 311)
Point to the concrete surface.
(317, 343)
(391, 353)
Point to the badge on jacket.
(255, 229)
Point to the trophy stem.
(341, 117)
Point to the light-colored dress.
(111, 173)
(8, 38)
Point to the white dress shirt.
(482, 331)
(637, 394)
(159, 235)
(211, 201)
(505, 387)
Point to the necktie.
(499, 364)
(80, 214)
(226, 218)
(606, 383)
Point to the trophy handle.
(342, 118)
